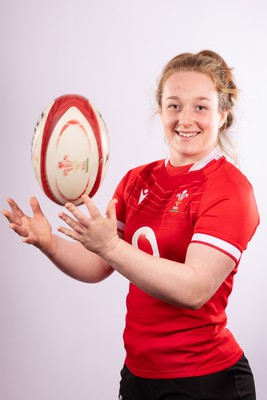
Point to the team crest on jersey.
(180, 199)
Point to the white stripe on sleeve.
(219, 243)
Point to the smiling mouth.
(187, 134)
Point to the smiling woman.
(175, 229)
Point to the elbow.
(100, 275)
(195, 305)
(193, 302)
(190, 305)
(198, 295)
(198, 300)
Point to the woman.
(176, 229)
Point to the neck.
(196, 164)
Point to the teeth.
(187, 135)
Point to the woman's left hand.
(96, 232)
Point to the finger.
(27, 240)
(35, 206)
(68, 232)
(19, 230)
(75, 225)
(15, 208)
(91, 207)
(12, 219)
(7, 214)
(76, 212)
(111, 209)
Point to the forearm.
(190, 284)
(77, 262)
(169, 281)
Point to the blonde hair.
(210, 63)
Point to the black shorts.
(234, 383)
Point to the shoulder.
(228, 207)
(223, 177)
(228, 187)
(143, 171)
(129, 180)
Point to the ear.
(223, 118)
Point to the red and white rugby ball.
(70, 149)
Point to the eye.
(201, 108)
(174, 106)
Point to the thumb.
(111, 209)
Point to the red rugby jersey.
(161, 213)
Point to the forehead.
(189, 83)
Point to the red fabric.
(160, 212)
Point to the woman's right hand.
(34, 230)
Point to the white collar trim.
(215, 154)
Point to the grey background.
(61, 339)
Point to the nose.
(185, 117)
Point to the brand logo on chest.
(143, 194)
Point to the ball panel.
(71, 157)
(105, 145)
(70, 149)
(95, 119)
(37, 142)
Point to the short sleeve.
(228, 214)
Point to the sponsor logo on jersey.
(179, 199)
(143, 194)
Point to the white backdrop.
(61, 339)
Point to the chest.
(161, 214)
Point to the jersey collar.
(215, 154)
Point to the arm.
(70, 257)
(75, 261)
(189, 285)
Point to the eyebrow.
(199, 98)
